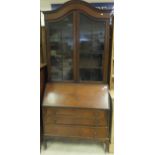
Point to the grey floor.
(57, 147)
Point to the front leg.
(106, 146)
(45, 144)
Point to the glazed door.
(91, 48)
(60, 49)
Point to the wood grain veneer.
(77, 111)
(76, 95)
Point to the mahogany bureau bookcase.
(76, 101)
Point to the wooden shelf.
(90, 53)
(91, 67)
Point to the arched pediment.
(76, 5)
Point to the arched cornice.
(74, 5)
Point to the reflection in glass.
(92, 35)
(61, 48)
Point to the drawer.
(67, 120)
(70, 112)
(101, 132)
(84, 113)
(81, 132)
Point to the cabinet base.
(105, 143)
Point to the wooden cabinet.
(76, 100)
(78, 43)
(77, 110)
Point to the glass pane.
(61, 48)
(92, 35)
(91, 74)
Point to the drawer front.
(81, 132)
(66, 120)
(70, 112)
(75, 113)
(75, 117)
(101, 133)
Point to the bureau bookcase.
(76, 101)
